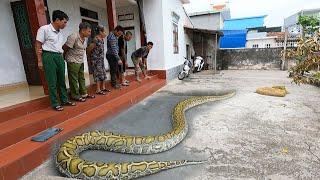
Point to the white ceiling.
(119, 3)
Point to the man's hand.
(39, 51)
(39, 54)
(126, 64)
(120, 62)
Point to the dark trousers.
(113, 64)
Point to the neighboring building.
(235, 31)
(291, 22)
(211, 20)
(206, 45)
(233, 39)
(162, 22)
(263, 37)
(244, 23)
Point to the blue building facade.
(233, 39)
(235, 31)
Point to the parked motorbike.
(198, 64)
(186, 69)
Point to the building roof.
(188, 22)
(310, 10)
(203, 13)
(251, 17)
(266, 29)
(185, 1)
(277, 34)
(206, 31)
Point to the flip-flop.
(87, 96)
(69, 103)
(106, 90)
(80, 99)
(58, 108)
(125, 84)
(101, 93)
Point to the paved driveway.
(246, 137)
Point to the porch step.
(19, 155)
(22, 109)
(15, 130)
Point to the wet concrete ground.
(246, 137)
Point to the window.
(175, 39)
(255, 46)
(90, 17)
(268, 45)
(175, 22)
(88, 13)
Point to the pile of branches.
(307, 56)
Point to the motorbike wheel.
(181, 75)
(195, 70)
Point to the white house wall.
(155, 32)
(72, 8)
(173, 60)
(261, 43)
(11, 64)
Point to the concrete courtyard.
(249, 136)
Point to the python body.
(70, 164)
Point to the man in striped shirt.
(113, 54)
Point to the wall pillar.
(37, 17)
(111, 14)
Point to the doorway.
(27, 49)
(131, 46)
(188, 53)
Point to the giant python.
(69, 163)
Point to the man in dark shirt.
(113, 54)
(122, 42)
(139, 59)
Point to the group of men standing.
(52, 51)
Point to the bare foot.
(139, 80)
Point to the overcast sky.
(276, 10)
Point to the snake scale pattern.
(69, 163)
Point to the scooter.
(198, 64)
(186, 69)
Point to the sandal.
(125, 84)
(69, 103)
(87, 96)
(106, 90)
(80, 99)
(101, 93)
(58, 108)
(126, 81)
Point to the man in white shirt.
(49, 50)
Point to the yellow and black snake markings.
(70, 164)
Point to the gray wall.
(173, 72)
(252, 59)
(208, 21)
